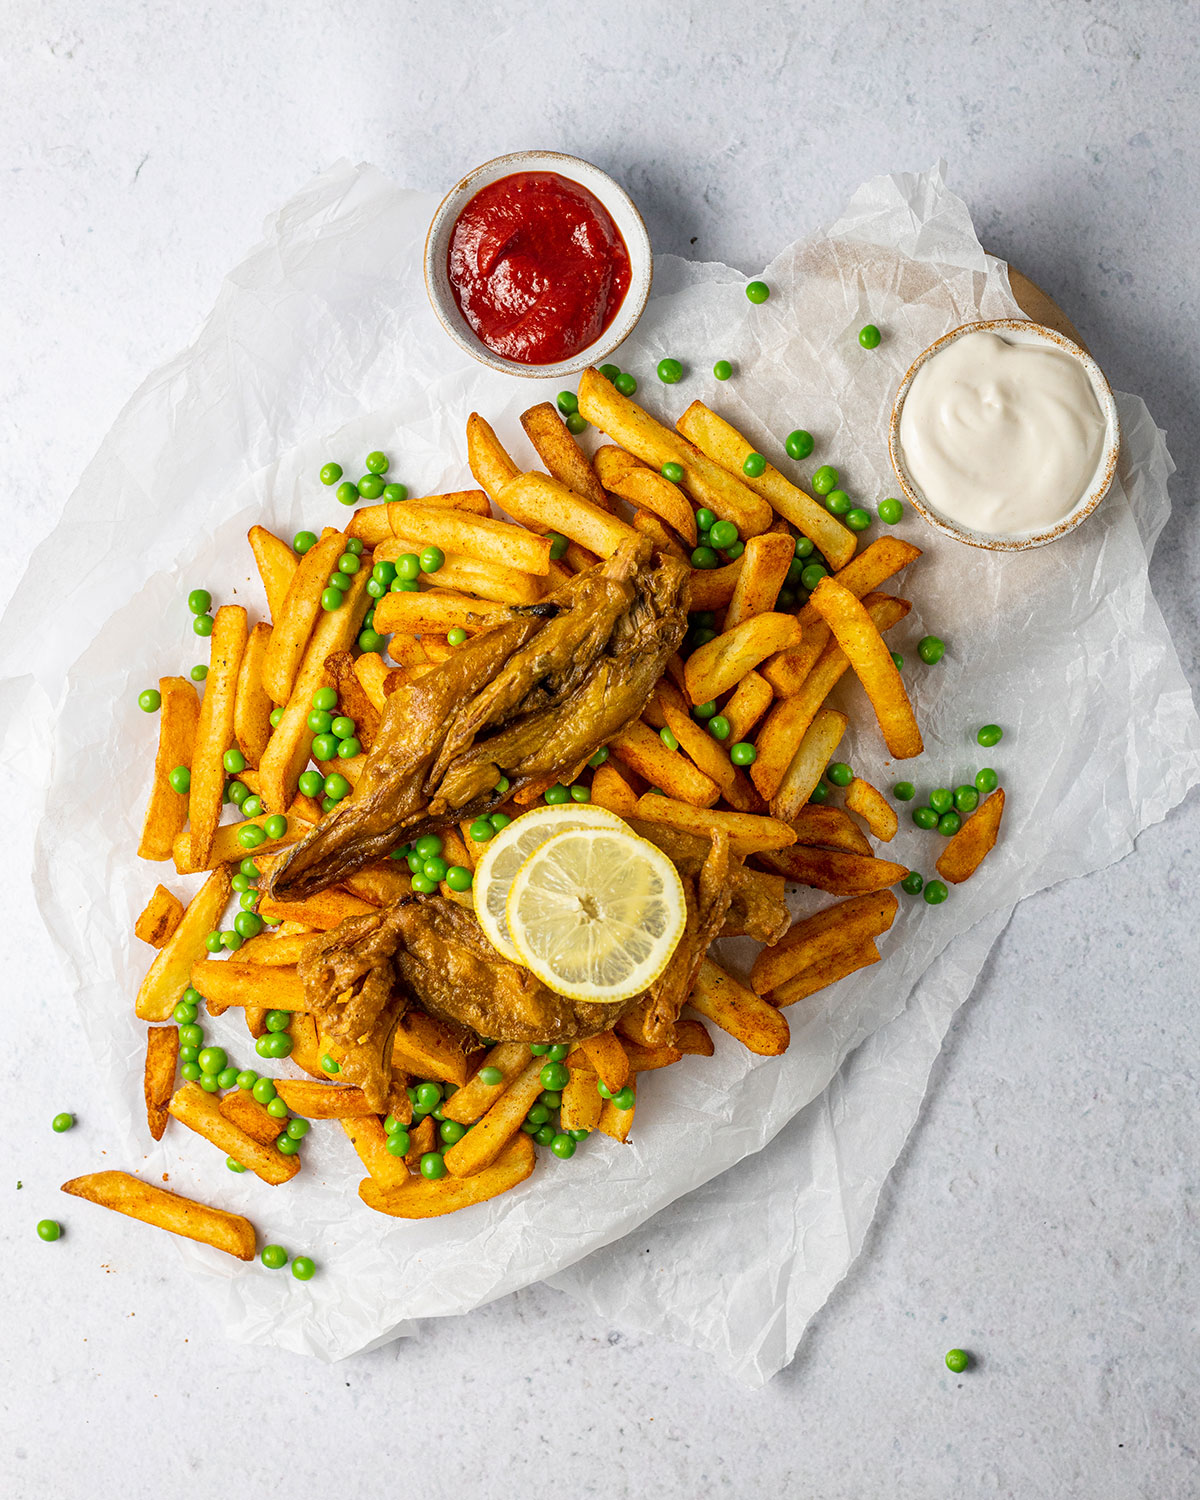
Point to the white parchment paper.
(322, 346)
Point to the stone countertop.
(1043, 1213)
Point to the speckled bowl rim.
(1105, 469)
(625, 215)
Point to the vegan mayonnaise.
(1002, 437)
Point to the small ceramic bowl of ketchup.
(538, 264)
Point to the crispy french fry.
(725, 445)
(858, 636)
(561, 454)
(611, 462)
(214, 731)
(354, 700)
(226, 847)
(661, 539)
(739, 1011)
(710, 484)
(381, 884)
(580, 1108)
(490, 581)
(546, 505)
(299, 616)
(369, 1139)
(228, 982)
(692, 1039)
(747, 704)
(420, 1198)
(765, 565)
(813, 940)
(166, 811)
(432, 1049)
(708, 753)
(249, 1115)
(809, 981)
(201, 1112)
(607, 1059)
(611, 790)
(875, 810)
(170, 973)
(718, 665)
(277, 564)
(641, 749)
(807, 765)
(162, 1055)
(324, 911)
(159, 918)
(456, 531)
(713, 588)
(830, 828)
(251, 705)
(306, 1044)
(475, 1098)
(650, 490)
(126, 1194)
(422, 1139)
(748, 833)
(644, 1059)
(372, 671)
(480, 1147)
(614, 1121)
(373, 524)
(834, 870)
(486, 455)
(968, 848)
(435, 613)
(322, 1101)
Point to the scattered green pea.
(904, 791)
(330, 1064)
(989, 735)
(370, 487)
(150, 700)
(670, 371)
(722, 369)
(925, 817)
(247, 1078)
(812, 575)
(599, 758)
(62, 1122)
(212, 1060)
(304, 1268)
(202, 625)
(580, 793)
(393, 493)
(986, 781)
(199, 672)
(941, 799)
(673, 472)
(576, 423)
(804, 547)
(935, 892)
(432, 1166)
(949, 823)
(957, 1360)
(757, 291)
(825, 479)
(190, 1072)
(912, 883)
(181, 780)
(890, 510)
(840, 773)
(705, 557)
(500, 820)
(377, 462)
(304, 541)
(331, 599)
(555, 1075)
(837, 502)
(331, 473)
(743, 753)
(264, 1090)
(857, 519)
(931, 649)
(625, 383)
(624, 1099)
(213, 942)
(719, 727)
(820, 794)
(273, 1257)
(347, 493)
(724, 535)
(897, 661)
(563, 1146)
(869, 336)
(753, 465)
(276, 713)
(234, 1166)
(966, 799)
(48, 1229)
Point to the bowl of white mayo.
(1004, 435)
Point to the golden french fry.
(747, 704)
(435, 613)
(711, 485)
(214, 731)
(166, 811)
(648, 489)
(277, 949)
(611, 790)
(457, 531)
(834, 870)
(431, 1049)
(748, 833)
(643, 1060)
(228, 982)
(373, 524)
(809, 981)
(580, 1108)
(422, 1139)
(420, 1198)
(708, 753)
(607, 1059)
(873, 807)
(170, 973)
(807, 765)
(615, 1121)
(480, 1147)
(830, 828)
(813, 940)
(369, 1139)
(243, 1110)
(486, 455)
(968, 848)
(546, 505)
(381, 884)
(299, 616)
(306, 1044)
(739, 1011)
(372, 672)
(611, 462)
(488, 580)
(561, 454)
(661, 540)
(644, 752)
(321, 1101)
(692, 1039)
(475, 1098)
(277, 564)
(159, 918)
(353, 699)
(725, 445)
(158, 1082)
(765, 565)
(126, 1194)
(324, 911)
(288, 752)
(720, 664)
(251, 705)
(201, 1112)
(858, 636)
(713, 588)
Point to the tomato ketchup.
(537, 266)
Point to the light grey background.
(1044, 1214)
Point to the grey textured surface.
(1044, 1212)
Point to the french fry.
(807, 765)
(874, 809)
(158, 1082)
(435, 613)
(748, 833)
(126, 1194)
(381, 884)
(228, 982)
(765, 565)
(968, 848)
(372, 672)
(354, 701)
(562, 455)
(713, 588)
(431, 1049)
(611, 790)
(830, 828)
(614, 1121)
(643, 1059)
(214, 731)
(649, 490)
(490, 581)
(170, 973)
(321, 1101)
(455, 531)
(747, 704)
(834, 870)
(166, 811)
(813, 940)
(201, 1112)
(277, 564)
(227, 848)
(243, 1110)
(486, 455)
(475, 1098)
(607, 1059)
(708, 754)
(661, 540)
(546, 505)
(369, 1139)
(858, 636)
(739, 1011)
(373, 524)
(251, 705)
(714, 487)
(809, 981)
(159, 918)
(692, 1039)
(288, 752)
(580, 1108)
(306, 1044)
(324, 911)
(299, 616)
(420, 1198)
(480, 1147)
(641, 749)
(718, 665)
(422, 1140)
(726, 446)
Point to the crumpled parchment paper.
(321, 346)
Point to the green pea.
(603, 1089)
(820, 794)
(931, 649)
(673, 472)
(199, 601)
(199, 672)
(238, 793)
(252, 806)
(330, 1065)
(804, 547)
(304, 541)
(338, 580)
(563, 1146)
(393, 493)
(705, 557)
(550, 1098)
(227, 1078)
(48, 1229)
(415, 863)
(722, 369)
(670, 371)
(336, 785)
(298, 1129)
(719, 727)
(610, 372)
(370, 486)
(149, 700)
(431, 559)
(451, 1132)
(539, 1049)
(347, 493)
(234, 1166)
(377, 463)
(369, 640)
(538, 1115)
(869, 336)
(966, 799)
(190, 1071)
(181, 780)
(555, 1075)
(957, 1360)
(567, 402)
(325, 747)
(912, 883)
(276, 713)
(331, 599)
(213, 942)
(281, 1044)
(579, 1135)
(331, 473)
(812, 575)
(576, 423)
(273, 1257)
(798, 444)
(191, 1036)
(989, 735)
(341, 728)
(557, 794)
(724, 535)
(581, 793)
(202, 625)
(251, 836)
(428, 1096)
(435, 869)
(626, 384)
(948, 824)
(304, 1268)
(743, 753)
(837, 502)
(904, 791)
(432, 1166)
(857, 519)
(753, 465)
(840, 773)
(481, 830)
(599, 758)
(558, 1051)
(491, 1076)
(890, 510)
(247, 924)
(735, 551)
(240, 884)
(213, 1060)
(986, 781)
(423, 885)
(757, 291)
(456, 637)
(705, 521)
(825, 479)
(544, 1135)
(247, 1078)
(264, 1090)
(925, 817)
(500, 821)
(941, 799)
(668, 738)
(286, 1146)
(208, 1082)
(897, 661)
(459, 878)
(312, 783)
(935, 893)
(62, 1122)
(428, 845)
(184, 1013)
(624, 1099)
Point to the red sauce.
(538, 267)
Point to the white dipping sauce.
(1002, 438)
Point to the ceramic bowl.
(624, 215)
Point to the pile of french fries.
(771, 672)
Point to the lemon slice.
(596, 913)
(508, 851)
